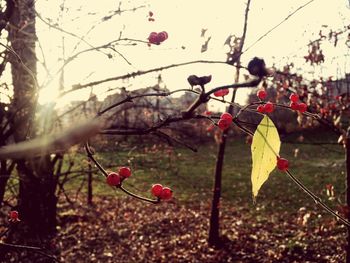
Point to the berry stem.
(317, 199)
(6, 231)
(90, 155)
(99, 166)
(138, 197)
(303, 187)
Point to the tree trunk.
(4, 176)
(37, 201)
(5, 172)
(90, 194)
(214, 223)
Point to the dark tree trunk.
(4, 176)
(37, 200)
(5, 172)
(214, 223)
(90, 184)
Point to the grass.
(190, 174)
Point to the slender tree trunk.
(347, 158)
(6, 168)
(90, 184)
(4, 176)
(214, 223)
(37, 201)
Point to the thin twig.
(317, 199)
(38, 250)
(139, 73)
(100, 167)
(276, 26)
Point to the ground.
(284, 225)
(126, 230)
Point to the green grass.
(190, 174)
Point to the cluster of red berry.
(294, 105)
(221, 93)
(269, 107)
(115, 179)
(225, 121)
(161, 192)
(157, 38)
(266, 108)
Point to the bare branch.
(276, 26)
(139, 73)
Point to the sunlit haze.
(184, 21)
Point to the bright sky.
(183, 20)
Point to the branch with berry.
(115, 179)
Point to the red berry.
(113, 179)
(302, 107)
(226, 116)
(294, 106)
(282, 164)
(153, 38)
(157, 190)
(269, 107)
(162, 36)
(14, 215)
(124, 172)
(261, 109)
(261, 94)
(294, 97)
(223, 124)
(221, 93)
(166, 193)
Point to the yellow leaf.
(265, 149)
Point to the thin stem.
(5, 232)
(139, 197)
(38, 250)
(317, 199)
(90, 155)
(99, 166)
(304, 188)
(276, 26)
(139, 73)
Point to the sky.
(183, 20)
